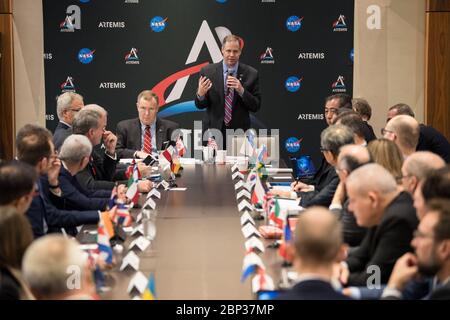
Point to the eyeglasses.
(75, 110)
(383, 131)
(419, 234)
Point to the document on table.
(289, 204)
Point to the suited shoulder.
(210, 68)
(127, 123)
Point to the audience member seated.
(67, 106)
(332, 139)
(15, 237)
(353, 120)
(436, 185)
(404, 131)
(138, 137)
(350, 158)
(56, 269)
(318, 247)
(430, 139)
(17, 185)
(335, 102)
(389, 214)
(35, 147)
(362, 107)
(388, 155)
(417, 167)
(425, 274)
(75, 153)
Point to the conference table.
(198, 249)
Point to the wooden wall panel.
(6, 88)
(437, 78)
(438, 5)
(5, 6)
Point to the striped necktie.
(229, 94)
(147, 140)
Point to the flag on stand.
(181, 149)
(122, 216)
(277, 215)
(105, 232)
(258, 192)
(113, 198)
(132, 192)
(150, 292)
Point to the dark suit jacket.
(41, 209)
(62, 131)
(351, 232)
(312, 290)
(385, 243)
(214, 100)
(99, 172)
(9, 286)
(432, 140)
(325, 186)
(129, 135)
(369, 134)
(78, 198)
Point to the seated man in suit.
(100, 172)
(46, 268)
(335, 102)
(321, 194)
(75, 154)
(139, 137)
(67, 106)
(35, 147)
(354, 121)
(350, 158)
(431, 260)
(318, 247)
(429, 138)
(404, 131)
(389, 214)
(17, 182)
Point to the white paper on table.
(267, 284)
(243, 193)
(129, 160)
(141, 243)
(155, 193)
(289, 204)
(252, 259)
(254, 242)
(139, 281)
(188, 161)
(281, 188)
(249, 230)
(282, 178)
(90, 246)
(132, 260)
(138, 229)
(178, 189)
(238, 184)
(279, 170)
(244, 204)
(237, 174)
(150, 203)
(246, 217)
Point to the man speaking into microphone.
(228, 90)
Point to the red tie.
(147, 140)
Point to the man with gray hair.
(430, 139)
(56, 268)
(350, 158)
(321, 194)
(75, 154)
(67, 106)
(318, 247)
(417, 167)
(99, 172)
(389, 214)
(404, 131)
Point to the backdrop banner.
(110, 50)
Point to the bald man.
(318, 246)
(350, 158)
(417, 167)
(390, 217)
(404, 131)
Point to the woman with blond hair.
(387, 154)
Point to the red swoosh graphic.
(162, 86)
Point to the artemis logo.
(310, 116)
(112, 85)
(339, 85)
(339, 25)
(132, 57)
(72, 21)
(311, 56)
(68, 86)
(111, 24)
